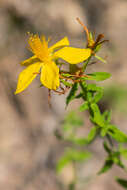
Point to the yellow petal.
(73, 55)
(38, 47)
(27, 76)
(30, 61)
(50, 76)
(63, 42)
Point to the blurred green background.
(28, 148)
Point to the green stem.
(86, 63)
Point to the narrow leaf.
(98, 96)
(106, 147)
(62, 163)
(87, 140)
(117, 134)
(79, 95)
(107, 166)
(97, 117)
(98, 76)
(93, 87)
(84, 106)
(97, 48)
(89, 96)
(92, 134)
(66, 83)
(107, 116)
(79, 156)
(122, 182)
(123, 153)
(72, 93)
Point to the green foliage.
(72, 93)
(92, 95)
(86, 140)
(96, 116)
(123, 152)
(66, 83)
(98, 96)
(97, 48)
(72, 120)
(107, 116)
(84, 106)
(112, 158)
(122, 182)
(99, 76)
(118, 135)
(93, 87)
(72, 155)
(70, 125)
(97, 92)
(107, 165)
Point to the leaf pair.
(113, 158)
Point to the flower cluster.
(45, 61)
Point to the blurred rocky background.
(28, 148)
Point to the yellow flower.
(43, 59)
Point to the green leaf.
(87, 140)
(98, 92)
(72, 155)
(93, 87)
(66, 74)
(89, 96)
(100, 59)
(79, 141)
(72, 93)
(78, 155)
(107, 116)
(62, 163)
(66, 83)
(123, 153)
(106, 147)
(84, 106)
(97, 48)
(92, 134)
(104, 130)
(107, 166)
(117, 134)
(98, 76)
(97, 97)
(91, 36)
(116, 159)
(122, 182)
(97, 117)
(83, 86)
(73, 119)
(71, 186)
(79, 95)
